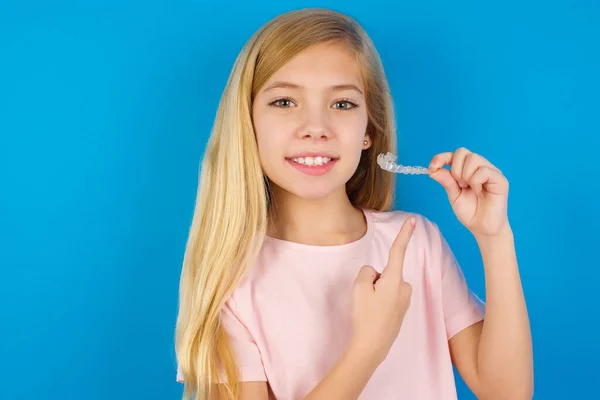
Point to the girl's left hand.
(477, 190)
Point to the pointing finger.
(394, 267)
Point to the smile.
(313, 165)
(312, 161)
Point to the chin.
(312, 195)
(311, 191)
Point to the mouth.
(313, 161)
(313, 164)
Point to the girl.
(298, 281)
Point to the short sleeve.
(246, 350)
(244, 347)
(461, 307)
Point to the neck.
(329, 221)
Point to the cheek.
(354, 134)
(263, 131)
(352, 151)
(352, 128)
(270, 139)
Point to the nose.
(314, 124)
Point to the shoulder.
(427, 243)
(427, 246)
(389, 223)
(256, 278)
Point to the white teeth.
(312, 161)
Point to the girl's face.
(310, 121)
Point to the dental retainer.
(388, 163)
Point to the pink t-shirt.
(290, 318)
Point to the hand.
(380, 301)
(477, 190)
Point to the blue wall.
(105, 109)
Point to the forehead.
(321, 65)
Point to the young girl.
(298, 281)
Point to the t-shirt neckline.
(285, 244)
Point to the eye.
(346, 105)
(287, 102)
(284, 102)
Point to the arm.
(379, 303)
(249, 391)
(495, 357)
(345, 381)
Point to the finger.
(456, 168)
(456, 162)
(477, 179)
(393, 269)
(366, 277)
(441, 159)
(470, 166)
(472, 162)
(445, 178)
(490, 179)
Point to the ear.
(367, 142)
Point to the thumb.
(445, 178)
(367, 276)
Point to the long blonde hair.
(233, 199)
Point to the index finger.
(395, 264)
(447, 158)
(441, 159)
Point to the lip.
(313, 154)
(314, 170)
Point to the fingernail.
(412, 221)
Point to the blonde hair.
(233, 199)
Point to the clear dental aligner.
(388, 163)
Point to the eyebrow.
(288, 85)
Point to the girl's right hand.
(380, 301)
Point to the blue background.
(105, 109)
